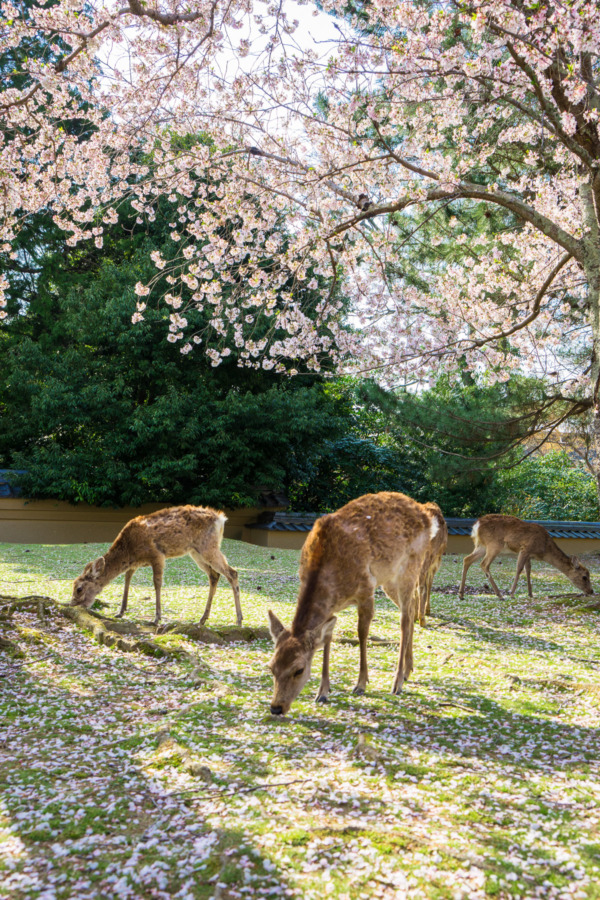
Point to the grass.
(481, 780)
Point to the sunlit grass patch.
(480, 780)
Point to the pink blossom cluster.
(490, 105)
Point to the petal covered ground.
(131, 777)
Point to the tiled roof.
(555, 529)
(288, 522)
(305, 521)
(6, 488)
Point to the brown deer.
(431, 563)
(149, 541)
(378, 539)
(496, 534)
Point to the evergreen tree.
(101, 412)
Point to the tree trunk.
(588, 194)
(593, 278)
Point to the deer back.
(513, 533)
(171, 532)
(370, 538)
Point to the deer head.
(292, 660)
(89, 584)
(580, 576)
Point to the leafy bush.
(549, 486)
(340, 470)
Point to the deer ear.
(323, 632)
(275, 626)
(98, 566)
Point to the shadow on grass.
(80, 800)
(84, 819)
(504, 637)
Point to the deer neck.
(559, 560)
(313, 608)
(115, 564)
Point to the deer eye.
(79, 589)
(298, 672)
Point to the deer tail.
(220, 520)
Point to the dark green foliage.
(101, 411)
(552, 486)
(350, 466)
(365, 457)
(466, 436)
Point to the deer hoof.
(358, 690)
(322, 698)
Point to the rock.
(168, 746)
(10, 648)
(197, 633)
(198, 770)
(235, 633)
(366, 750)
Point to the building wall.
(457, 543)
(281, 540)
(57, 522)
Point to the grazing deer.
(378, 539)
(431, 563)
(150, 541)
(496, 534)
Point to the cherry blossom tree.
(414, 109)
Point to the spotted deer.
(378, 539)
(150, 540)
(495, 534)
(431, 563)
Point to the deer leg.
(528, 573)
(407, 619)
(128, 577)
(433, 569)
(402, 593)
(420, 601)
(217, 561)
(158, 567)
(521, 563)
(405, 660)
(323, 692)
(488, 559)
(366, 609)
(213, 580)
(428, 586)
(424, 594)
(468, 561)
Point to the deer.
(377, 539)
(494, 534)
(196, 531)
(432, 561)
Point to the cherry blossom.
(411, 109)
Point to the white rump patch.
(433, 529)
(221, 519)
(474, 531)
